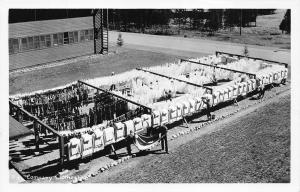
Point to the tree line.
(140, 20)
(196, 19)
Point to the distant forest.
(159, 20)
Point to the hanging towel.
(98, 141)
(119, 131)
(179, 111)
(172, 113)
(109, 135)
(156, 118)
(164, 116)
(192, 103)
(129, 127)
(137, 124)
(87, 145)
(198, 104)
(146, 121)
(74, 149)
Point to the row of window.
(17, 45)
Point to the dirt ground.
(49, 77)
(252, 148)
(127, 59)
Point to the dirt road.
(166, 44)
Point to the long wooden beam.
(187, 82)
(256, 58)
(215, 66)
(35, 119)
(115, 95)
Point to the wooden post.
(20, 116)
(61, 151)
(36, 134)
(166, 142)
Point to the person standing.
(206, 101)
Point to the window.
(10, 44)
(36, 42)
(24, 44)
(30, 43)
(71, 37)
(75, 36)
(42, 41)
(15, 43)
(48, 40)
(66, 38)
(91, 35)
(60, 38)
(86, 35)
(55, 40)
(81, 35)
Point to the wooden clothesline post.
(115, 95)
(165, 76)
(224, 68)
(36, 122)
(256, 58)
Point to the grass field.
(251, 149)
(125, 59)
(266, 33)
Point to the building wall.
(33, 43)
(31, 58)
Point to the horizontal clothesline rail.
(187, 82)
(37, 121)
(256, 58)
(215, 66)
(115, 95)
(35, 118)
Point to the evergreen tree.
(285, 24)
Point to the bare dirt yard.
(96, 66)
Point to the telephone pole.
(241, 21)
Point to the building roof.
(49, 26)
(17, 130)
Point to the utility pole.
(241, 21)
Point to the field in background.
(96, 66)
(266, 33)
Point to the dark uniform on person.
(208, 108)
(261, 90)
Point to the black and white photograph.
(151, 95)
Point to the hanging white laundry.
(172, 113)
(249, 86)
(156, 118)
(164, 116)
(74, 149)
(230, 92)
(192, 103)
(179, 111)
(146, 121)
(98, 140)
(87, 145)
(109, 135)
(198, 105)
(119, 131)
(129, 127)
(185, 108)
(138, 126)
(216, 97)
